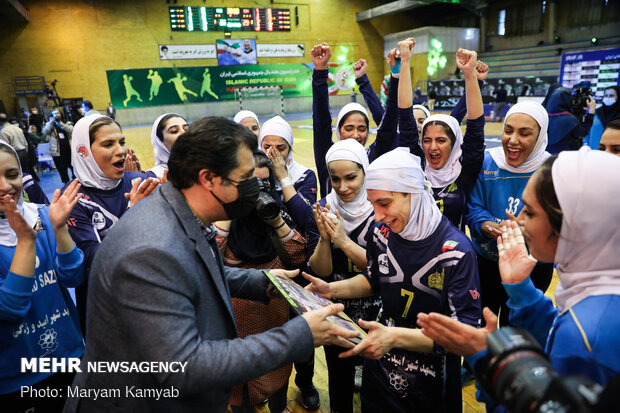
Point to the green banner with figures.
(133, 88)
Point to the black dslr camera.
(521, 378)
(580, 94)
(267, 208)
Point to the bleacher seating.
(541, 60)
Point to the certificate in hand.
(302, 300)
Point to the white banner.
(280, 50)
(187, 51)
(208, 51)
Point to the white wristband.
(286, 182)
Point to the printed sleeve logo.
(435, 280)
(385, 231)
(83, 151)
(98, 220)
(449, 245)
(474, 294)
(383, 264)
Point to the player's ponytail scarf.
(587, 185)
(357, 211)
(539, 153)
(451, 170)
(277, 126)
(26, 209)
(400, 171)
(85, 167)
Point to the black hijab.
(250, 239)
(608, 113)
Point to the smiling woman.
(497, 195)
(98, 154)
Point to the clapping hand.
(62, 205)
(139, 192)
(515, 263)
(16, 221)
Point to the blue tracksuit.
(37, 315)
(437, 274)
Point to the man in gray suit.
(159, 291)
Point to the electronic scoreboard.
(226, 19)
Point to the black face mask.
(248, 195)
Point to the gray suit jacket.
(158, 292)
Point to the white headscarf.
(349, 107)
(84, 165)
(160, 152)
(423, 109)
(246, 114)
(26, 209)
(356, 212)
(539, 153)
(401, 171)
(277, 126)
(451, 170)
(587, 184)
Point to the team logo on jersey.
(449, 245)
(383, 264)
(435, 280)
(37, 262)
(474, 294)
(83, 151)
(453, 187)
(98, 220)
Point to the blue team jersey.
(437, 274)
(495, 192)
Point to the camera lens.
(519, 373)
(266, 207)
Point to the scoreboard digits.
(207, 19)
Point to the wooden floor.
(139, 140)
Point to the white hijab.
(84, 165)
(423, 109)
(277, 126)
(356, 212)
(447, 174)
(539, 154)
(401, 171)
(587, 184)
(160, 152)
(349, 107)
(246, 114)
(27, 210)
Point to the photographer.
(566, 130)
(59, 134)
(263, 239)
(580, 335)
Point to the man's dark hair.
(101, 121)
(209, 143)
(87, 104)
(614, 124)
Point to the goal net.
(262, 100)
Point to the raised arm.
(321, 115)
(466, 61)
(409, 136)
(460, 109)
(371, 98)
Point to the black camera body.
(267, 208)
(521, 378)
(580, 94)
